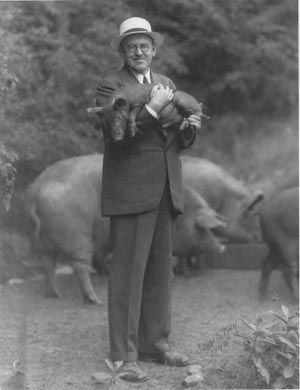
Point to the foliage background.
(239, 57)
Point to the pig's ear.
(119, 102)
(209, 219)
(256, 201)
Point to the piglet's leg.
(188, 105)
(132, 129)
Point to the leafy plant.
(110, 379)
(114, 368)
(274, 349)
(7, 175)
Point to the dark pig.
(120, 111)
(279, 219)
(63, 204)
(227, 196)
(193, 232)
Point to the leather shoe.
(131, 372)
(173, 359)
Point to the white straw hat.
(135, 26)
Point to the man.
(142, 194)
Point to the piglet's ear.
(119, 103)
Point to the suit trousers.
(140, 281)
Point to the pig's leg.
(49, 272)
(80, 256)
(269, 264)
(288, 276)
(183, 266)
(187, 266)
(288, 265)
(101, 261)
(132, 129)
(200, 261)
(83, 270)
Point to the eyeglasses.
(145, 47)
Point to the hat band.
(136, 30)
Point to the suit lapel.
(127, 77)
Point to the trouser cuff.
(126, 356)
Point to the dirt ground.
(60, 343)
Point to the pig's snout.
(218, 246)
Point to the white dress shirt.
(140, 78)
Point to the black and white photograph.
(149, 194)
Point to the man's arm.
(188, 130)
(104, 90)
(160, 96)
(147, 119)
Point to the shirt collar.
(140, 77)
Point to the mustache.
(139, 57)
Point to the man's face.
(137, 51)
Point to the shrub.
(7, 175)
(273, 346)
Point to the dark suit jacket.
(135, 173)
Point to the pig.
(227, 196)
(193, 231)
(279, 220)
(120, 112)
(63, 205)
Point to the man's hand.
(192, 121)
(160, 96)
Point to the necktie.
(145, 81)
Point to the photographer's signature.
(219, 340)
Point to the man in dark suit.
(142, 194)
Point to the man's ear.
(154, 50)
